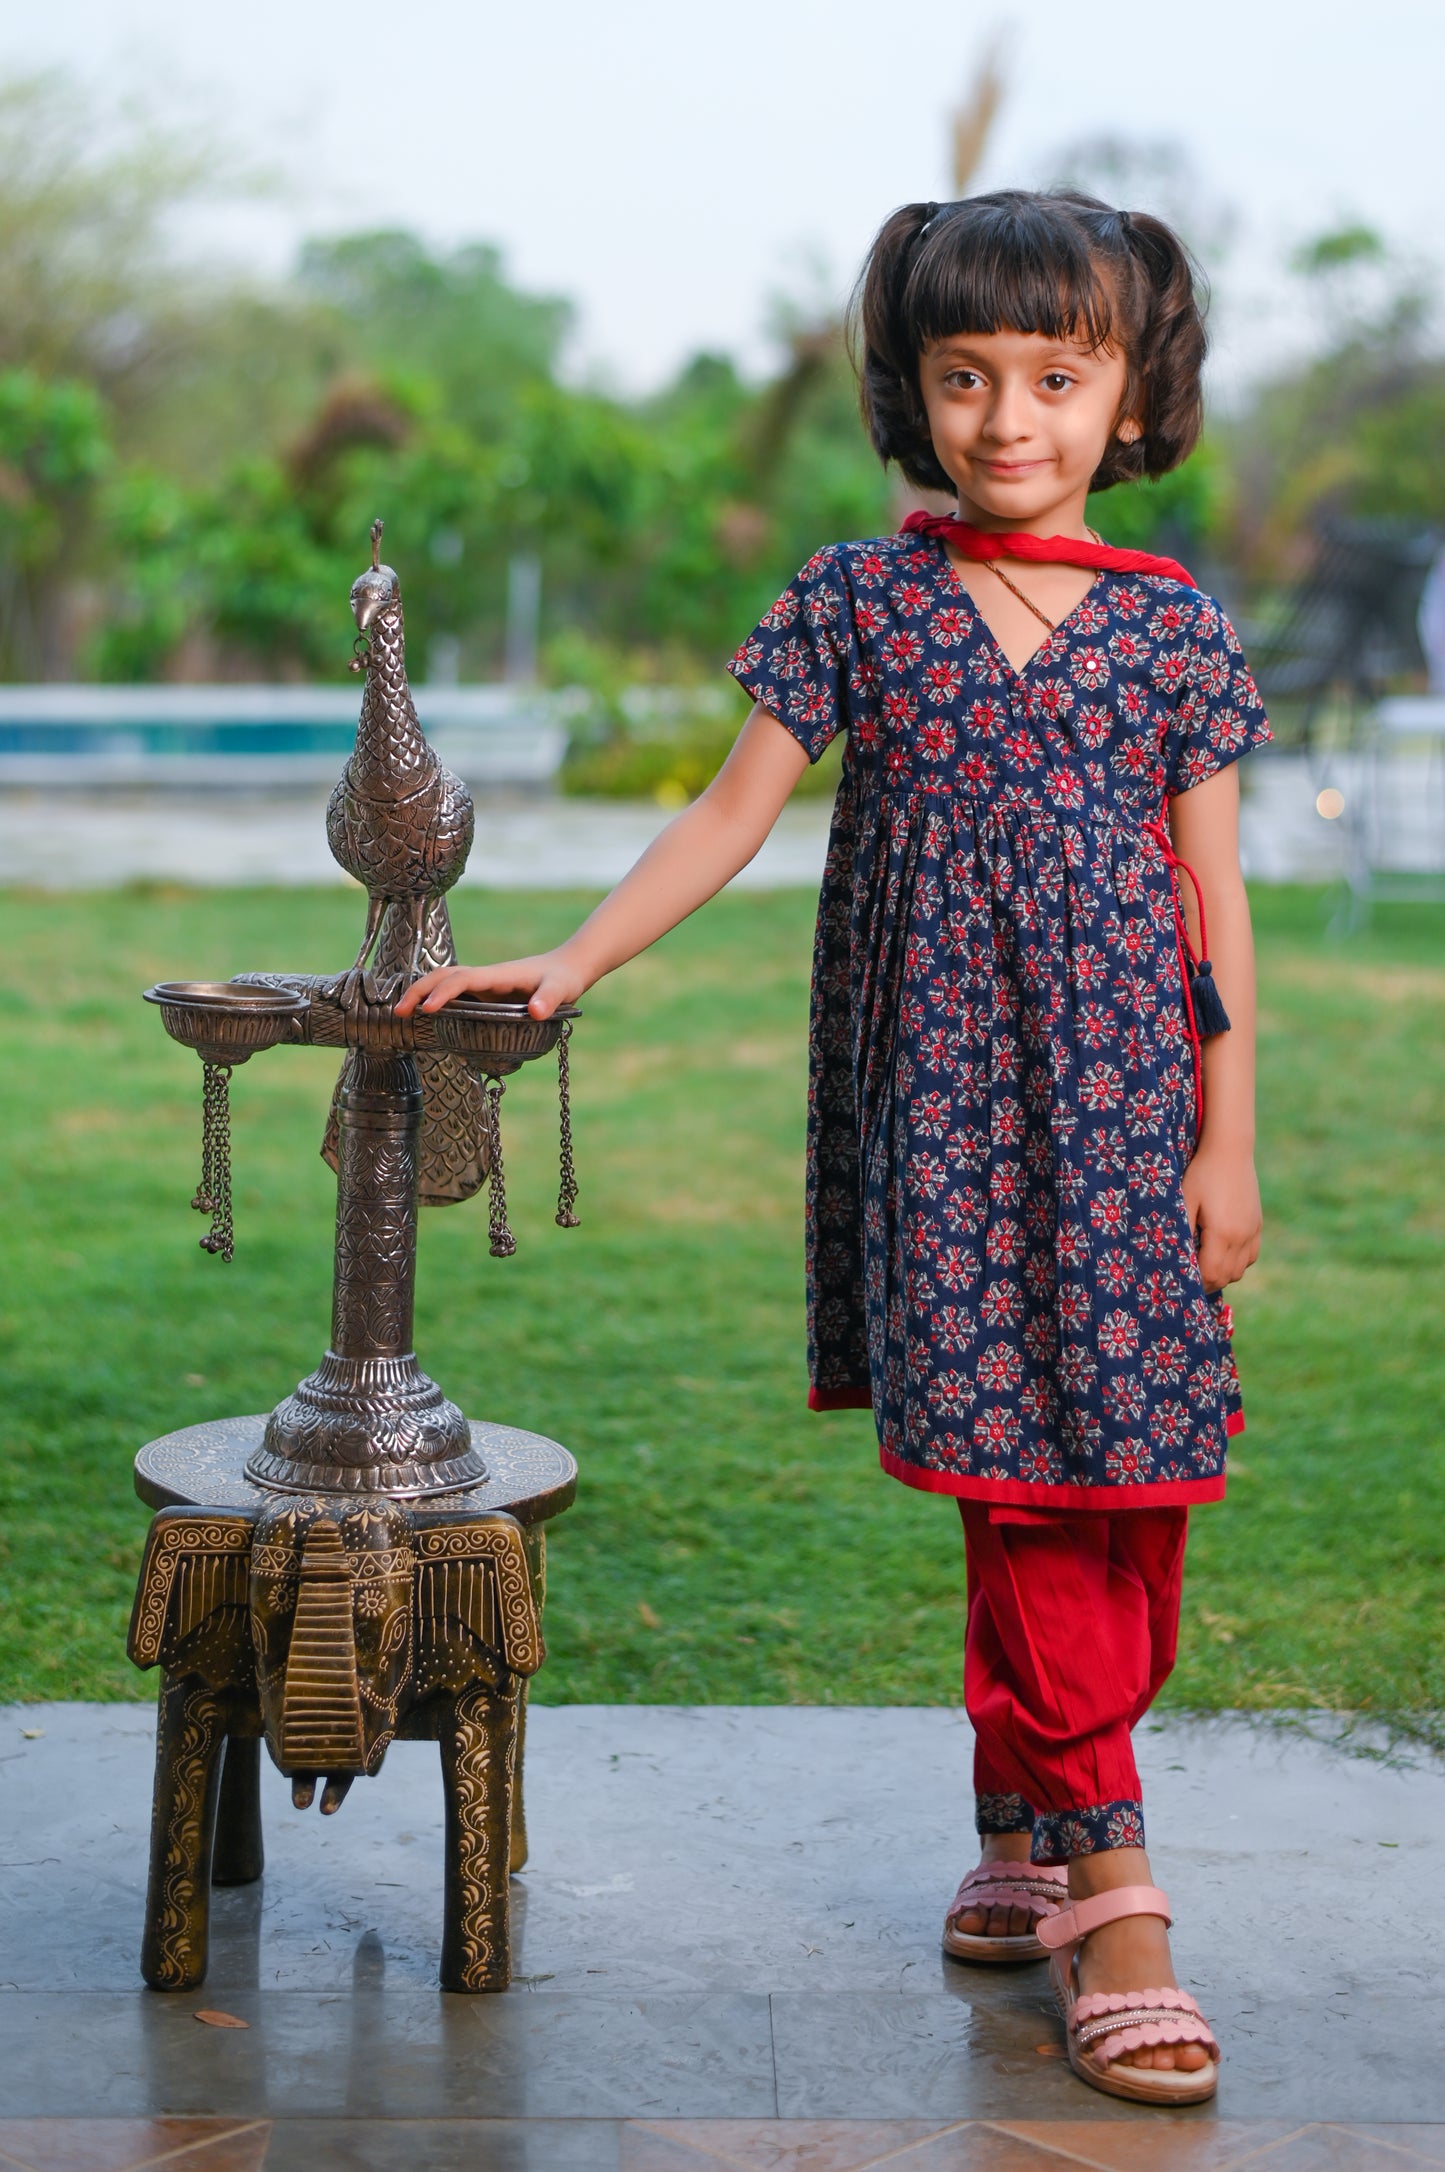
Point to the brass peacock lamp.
(364, 1562)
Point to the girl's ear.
(1129, 431)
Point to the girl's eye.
(965, 380)
(1057, 381)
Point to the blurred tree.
(1357, 427)
(188, 462)
(450, 321)
(54, 451)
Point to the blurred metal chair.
(1351, 629)
(1394, 810)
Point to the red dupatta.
(985, 545)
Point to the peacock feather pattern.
(401, 823)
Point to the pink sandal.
(1039, 1887)
(1103, 2025)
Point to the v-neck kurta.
(1001, 1088)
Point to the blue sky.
(672, 166)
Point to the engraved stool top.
(203, 1466)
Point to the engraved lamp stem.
(369, 1420)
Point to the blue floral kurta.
(1002, 1089)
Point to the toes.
(1188, 2058)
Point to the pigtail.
(884, 356)
(1166, 356)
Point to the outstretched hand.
(541, 982)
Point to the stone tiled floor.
(709, 2145)
(726, 1954)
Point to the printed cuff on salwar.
(1062, 1834)
(1002, 1814)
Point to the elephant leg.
(536, 1544)
(479, 1747)
(189, 1733)
(517, 1856)
(239, 1856)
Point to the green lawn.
(725, 1544)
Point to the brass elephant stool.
(328, 1630)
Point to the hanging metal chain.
(503, 1243)
(213, 1194)
(567, 1183)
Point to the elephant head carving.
(331, 1596)
(338, 1618)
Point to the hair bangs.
(985, 268)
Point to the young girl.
(1030, 1168)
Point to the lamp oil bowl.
(226, 1022)
(498, 1038)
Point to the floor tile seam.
(736, 2164)
(773, 2052)
(1050, 2149)
(1400, 2149)
(659, 2127)
(1098, 2164)
(1260, 2155)
(210, 2141)
(10, 2163)
(898, 2156)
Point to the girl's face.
(1021, 422)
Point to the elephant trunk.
(321, 1714)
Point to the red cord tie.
(1203, 1005)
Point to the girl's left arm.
(1221, 1190)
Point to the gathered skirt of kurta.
(1002, 1082)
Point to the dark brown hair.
(1059, 263)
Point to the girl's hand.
(551, 978)
(1221, 1194)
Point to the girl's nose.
(1009, 418)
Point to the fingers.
(1223, 1260)
(517, 977)
(453, 981)
(422, 988)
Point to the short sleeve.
(800, 657)
(1220, 715)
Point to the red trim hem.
(1022, 1493)
(840, 1398)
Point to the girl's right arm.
(693, 858)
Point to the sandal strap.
(1075, 1922)
(1108, 2024)
(1032, 1888)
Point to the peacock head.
(376, 590)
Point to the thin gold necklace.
(1027, 601)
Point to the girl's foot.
(1130, 1955)
(997, 1909)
